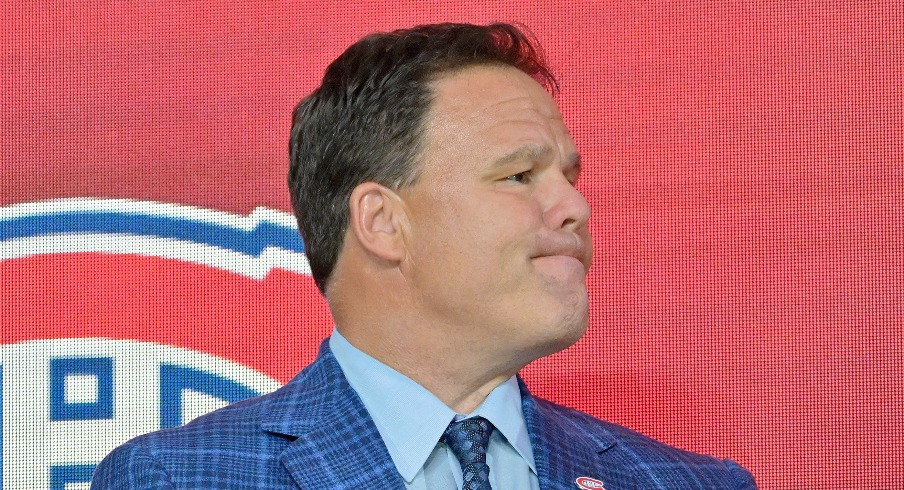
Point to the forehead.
(483, 107)
(482, 88)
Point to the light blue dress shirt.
(411, 421)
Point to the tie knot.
(469, 439)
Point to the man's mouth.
(564, 246)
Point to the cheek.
(501, 235)
(481, 235)
(442, 237)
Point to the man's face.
(499, 246)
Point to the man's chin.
(574, 334)
(564, 334)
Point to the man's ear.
(376, 217)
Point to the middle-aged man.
(434, 183)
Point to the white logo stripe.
(148, 208)
(256, 267)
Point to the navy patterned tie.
(469, 439)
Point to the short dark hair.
(364, 123)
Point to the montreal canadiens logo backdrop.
(744, 163)
(66, 401)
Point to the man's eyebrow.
(572, 164)
(526, 152)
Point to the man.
(433, 180)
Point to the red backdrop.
(745, 166)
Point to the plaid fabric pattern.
(314, 433)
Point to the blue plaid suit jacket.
(314, 433)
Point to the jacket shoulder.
(130, 466)
(205, 452)
(201, 454)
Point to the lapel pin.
(587, 483)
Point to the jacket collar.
(332, 429)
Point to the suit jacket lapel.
(337, 444)
(565, 450)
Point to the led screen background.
(744, 163)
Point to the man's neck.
(454, 374)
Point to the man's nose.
(568, 209)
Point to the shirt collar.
(502, 407)
(411, 419)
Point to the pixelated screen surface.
(744, 162)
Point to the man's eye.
(520, 177)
